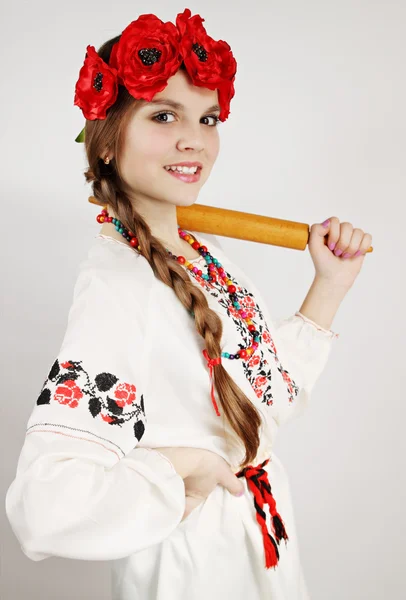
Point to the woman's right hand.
(201, 470)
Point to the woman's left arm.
(322, 302)
(303, 341)
(337, 264)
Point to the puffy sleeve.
(303, 348)
(300, 348)
(84, 489)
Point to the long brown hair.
(110, 189)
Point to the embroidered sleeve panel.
(94, 388)
(95, 407)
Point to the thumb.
(318, 233)
(232, 483)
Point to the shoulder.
(113, 284)
(116, 266)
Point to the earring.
(106, 160)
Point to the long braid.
(110, 189)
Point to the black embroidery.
(256, 368)
(139, 429)
(105, 381)
(44, 397)
(108, 398)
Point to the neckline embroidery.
(256, 368)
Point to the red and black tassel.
(257, 479)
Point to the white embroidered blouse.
(129, 377)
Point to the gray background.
(317, 128)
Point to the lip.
(186, 164)
(185, 177)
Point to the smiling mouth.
(185, 170)
(185, 176)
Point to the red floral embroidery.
(256, 368)
(259, 383)
(68, 393)
(266, 338)
(254, 360)
(114, 401)
(233, 311)
(106, 418)
(248, 302)
(125, 394)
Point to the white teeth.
(188, 170)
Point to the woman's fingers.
(230, 481)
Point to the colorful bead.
(215, 273)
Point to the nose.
(191, 138)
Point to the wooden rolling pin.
(241, 225)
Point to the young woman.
(150, 444)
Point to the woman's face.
(160, 134)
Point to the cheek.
(147, 148)
(213, 145)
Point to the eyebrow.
(177, 105)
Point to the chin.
(185, 199)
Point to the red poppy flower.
(146, 55)
(209, 63)
(96, 89)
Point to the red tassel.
(258, 483)
(210, 363)
(271, 552)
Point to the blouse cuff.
(331, 334)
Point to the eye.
(216, 120)
(162, 114)
(162, 117)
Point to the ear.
(106, 153)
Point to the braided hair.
(111, 190)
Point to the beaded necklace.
(216, 273)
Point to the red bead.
(196, 245)
(232, 289)
(134, 242)
(181, 260)
(251, 327)
(204, 249)
(243, 353)
(200, 273)
(100, 219)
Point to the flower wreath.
(147, 54)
